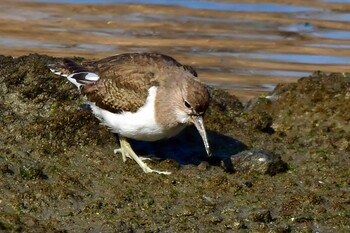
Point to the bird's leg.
(123, 152)
(120, 150)
(126, 151)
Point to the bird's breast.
(140, 125)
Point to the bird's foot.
(144, 158)
(127, 152)
(124, 154)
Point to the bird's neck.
(167, 104)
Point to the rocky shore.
(280, 163)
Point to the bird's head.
(191, 109)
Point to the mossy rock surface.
(58, 172)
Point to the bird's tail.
(75, 73)
(59, 69)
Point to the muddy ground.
(280, 164)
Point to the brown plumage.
(144, 96)
(125, 78)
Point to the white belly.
(140, 125)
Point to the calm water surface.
(245, 46)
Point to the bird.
(140, 96)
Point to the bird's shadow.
(188, 148)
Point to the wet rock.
(259, 120)
(258, 103)
(203, 166)
(32, 172)
(121, 226)
(6, 226)
(235, 224)
(167, 164)
(312, 112)
(223, 111)
(6, 170)
(283, 228)
(260, 215)
(44, 132)
(258, 161)
(214, 219)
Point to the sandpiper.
(142, 96)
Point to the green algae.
(59, 172)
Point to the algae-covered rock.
(313, 112)
(280, 163)
(258, 161)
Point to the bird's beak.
(198, 122)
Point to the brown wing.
(126, 78)
(121, 88)
(155, 60)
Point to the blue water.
(12, 42)
(295, 58)
(336, 1)
(205, 5)
(300, 33)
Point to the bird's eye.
(187, 104)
